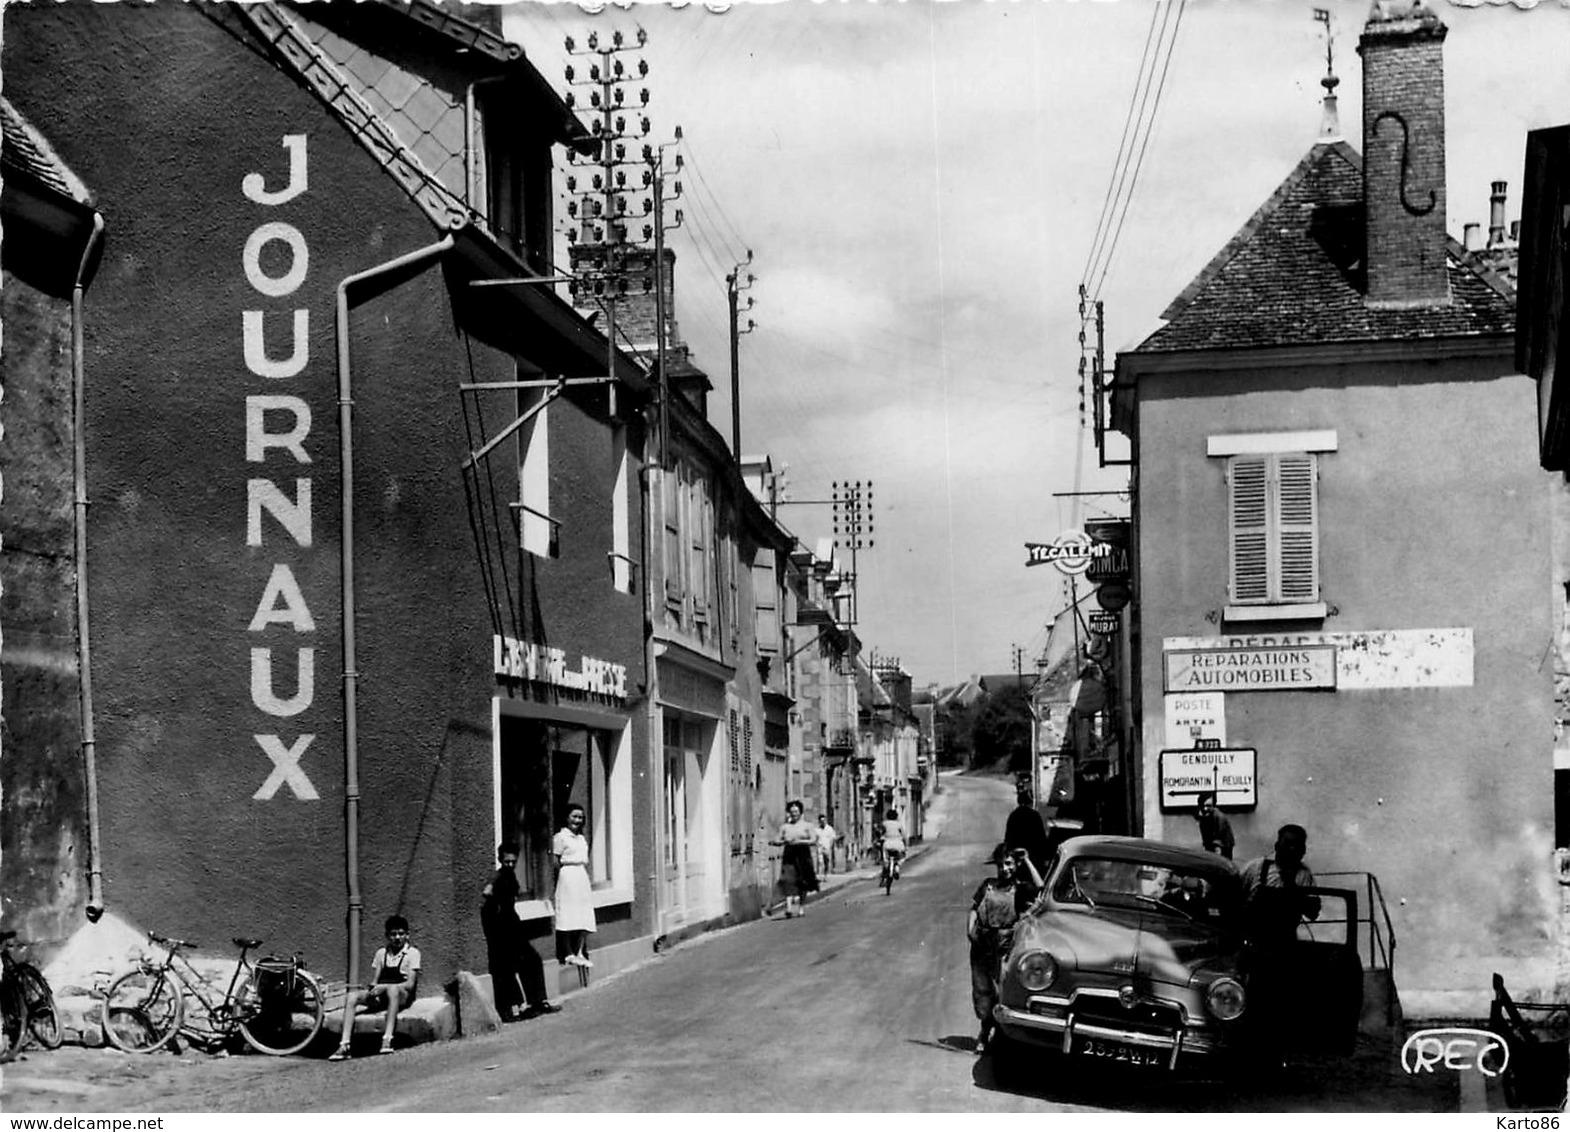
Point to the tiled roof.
(23, 150)
(1294, 275)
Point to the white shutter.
(765, 602)
(1248, 526)
(1297, 522)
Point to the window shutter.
(673, 556)
(1248, 524)
(765, 601)
(1297, 515)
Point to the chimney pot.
(1469, 237)
(1496, 214)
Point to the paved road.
(862, 1005)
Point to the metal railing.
(1374, 924)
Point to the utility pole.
(733, 289)
(852, 527)
(654, 178)
(602, 213)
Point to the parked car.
(1134, 954)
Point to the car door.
(1320, 984)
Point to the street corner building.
(352, 573)
(1345, 570)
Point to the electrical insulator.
(594, 99)
(648, 153)
(572, 184)
(643, 37)
(644, 123)
(616, 39)
(643, 68)
(648, 232)
(621, 178)
(572, 235)
(678, 217)
(570, 100)
(648, 206)
(621, 152)
(679, 161)
(678, 188)
(594, 41)
(619, 94)
(617, 68)
(572, 209)
(643, 96)
(599, 182)
(569, 44)
(569, 73)
(594, 72)
(648, 178)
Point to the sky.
(921, 186)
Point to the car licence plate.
(1117, 1051)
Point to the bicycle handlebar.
(171, 943)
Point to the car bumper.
(1054, 1024)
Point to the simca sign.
(1228, 773)
(1287, 668)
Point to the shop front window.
(545, 767)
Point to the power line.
(1140, 160)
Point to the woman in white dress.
(574, 897)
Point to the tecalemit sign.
(1286, 668)
(525, 660)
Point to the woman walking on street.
(797, 875)
(574, 896)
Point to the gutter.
(366, 285)
(95, 871)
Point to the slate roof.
(24, 151)
(1294, 275)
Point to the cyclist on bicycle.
(891, 836)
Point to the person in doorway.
(395, 979)
(827, 838)
(573, 893)
(1214, 829)
(799, 842)
(1026, 830)
(994, 910)
(515, 965)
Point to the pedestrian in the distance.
(573, 894)
(515, 965)
(797, 876)
(1214, 829)
(1026, 830)
(827, 837)
(994, 910)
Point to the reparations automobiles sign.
(1287, 668)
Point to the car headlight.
(1036, 970)
(1225, 999)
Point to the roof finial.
(1330, 123)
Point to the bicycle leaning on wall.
(274, 1004)
(27, 1005)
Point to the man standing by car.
(1273, 906)
(1272, 901)
(1025, 830)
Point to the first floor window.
(545, 767)
(1273, 513)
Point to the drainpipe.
(84, 660)
(367, 285)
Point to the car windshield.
(1198, 894)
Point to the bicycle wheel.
(13, 1019)
(43, 1020)
(142, 1011)
(887, 878)
(280, 1022)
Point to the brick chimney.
(1404, 155)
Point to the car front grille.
(1154, 1018)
